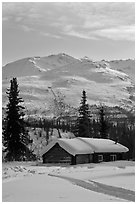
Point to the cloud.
(5, 19)
(118, 33)
(26, 28)
(18, 19)
(81, 35)
(70, 30)
(50, 35)
(87, 20)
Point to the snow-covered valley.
(103, 182)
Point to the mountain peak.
(63, 54)
(60, 55)
(85, 58)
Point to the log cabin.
(83, 150)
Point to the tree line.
(84, 125)
(16, 138)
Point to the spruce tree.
(84, 125)
(103, 126)
(15, 137)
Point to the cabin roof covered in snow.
(81, 145)
(73, 146)
(104, 145)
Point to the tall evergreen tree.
(14, 134)
(103, 126)
(84, 125)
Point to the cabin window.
(113, 157)
(100, 157)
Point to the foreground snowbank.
(31, 182)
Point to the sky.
(102, 30)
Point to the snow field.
(46, 188)
(47, 183)
(113, 176)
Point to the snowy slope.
(126, 66)
(35, 65)
(110, 83)
(23, 67)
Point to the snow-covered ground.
(104, 182)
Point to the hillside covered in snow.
(109, 82)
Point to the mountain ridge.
(108, 82)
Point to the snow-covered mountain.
(108, 82)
